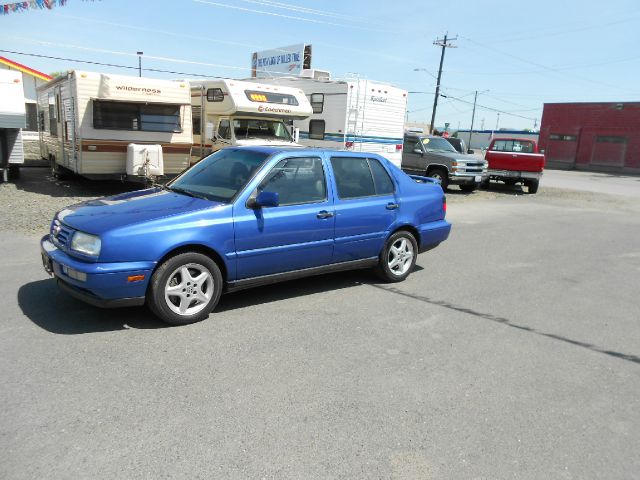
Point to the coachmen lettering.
(262, 108)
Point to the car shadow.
(56, 312)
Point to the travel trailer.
(12, 121)
(113, 126)
(234, 112)
(354, 114)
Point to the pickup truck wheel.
(185, 288)
(532, 186)
(468, 188)
(441, 175)
(398, 257)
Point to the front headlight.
(85, 243)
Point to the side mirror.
(470, 151)
(418, 151)
(264, 199)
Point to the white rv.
(234, 112)
(12, 121)
(113, 126)
(354, 114)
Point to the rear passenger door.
(366, 207)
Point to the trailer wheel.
(56, 170)
(14, 172)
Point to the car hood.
(451, 155)
(103, 214)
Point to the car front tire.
(185, 288)
(398, 257)
(440, 174)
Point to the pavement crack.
(505, 321)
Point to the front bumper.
(467, 179)
(99, 284)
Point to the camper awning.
(134, 89)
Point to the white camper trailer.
(354, 114)
(12, 121)
(234, 112)
(113, 126)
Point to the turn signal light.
(135, 278)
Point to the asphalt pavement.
(513, 351)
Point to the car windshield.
(273, 129)
(437, 145)
(220, 176)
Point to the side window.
(195, 117)
(381, 179)
(353, 177)
(316, 129)
(224, 129)
(410, 145)
(317, 102)
(500, 146)
(297, 180)
(53, 116)
(215, 95)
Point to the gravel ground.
(30, 203)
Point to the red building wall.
(592, 136)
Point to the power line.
(488, 108)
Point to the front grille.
(61, 234)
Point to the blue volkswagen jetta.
(244, 217)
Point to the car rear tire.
(532, 186)
(398, 257)
(468, 188)
(439, 174)
(185, 288)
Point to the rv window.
(224, 129)
(53, 117)
(32, 117)
(317, 102)
(316, 129)
(112, 115)
(195, 119)
(215, 95)
(245, 128)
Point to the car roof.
(271, 150)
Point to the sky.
(517, 55)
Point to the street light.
(139, 63)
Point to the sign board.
(281, 62)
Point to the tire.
(389, 267)
(486, 184)
(14, 173)
(468, 188)
(185, 288)
(440, 174)
(532, 186)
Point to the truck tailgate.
(523, 162)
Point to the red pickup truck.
(515, 160)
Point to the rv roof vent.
(316, 74)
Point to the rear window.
(516, 146)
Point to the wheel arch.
(437, 166)
(408, 228)
(197, 248)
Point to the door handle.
(392, 206)
(322, 214)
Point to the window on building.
(297, 181)
(317, 102)
(316, 129)
(110, 115)
(563, 138)
(611, 139)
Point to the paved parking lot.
(513, 351)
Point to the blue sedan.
(244, 217)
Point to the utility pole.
(473, 117)
(441, 43)
(482, 124)
(498, 121)
(139, 63)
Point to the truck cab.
(435, 157)
(232, 112)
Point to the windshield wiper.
(188, 193)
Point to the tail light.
(444, 205)
(348, 144)
(398, 147)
